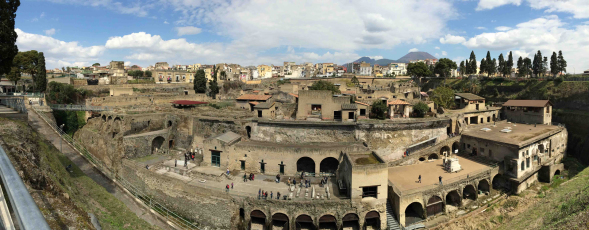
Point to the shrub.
(421, 109)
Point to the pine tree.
(488, 63)
(41, 78)
(492, 68)
(562, 64)
(8, 48)
(213, 83)
(554, 64)
(537, 64)
(473, 63)
(520, 67)
(528, 66)
(483, 66)
(466, 67)
(462, 68)
(501, 69)
(200, 82)
(509, 64)
(544, 66)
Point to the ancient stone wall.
(300, 132)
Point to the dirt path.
(43, 128)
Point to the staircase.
(392, 223)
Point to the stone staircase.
(392, 223)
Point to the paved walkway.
(43, 128)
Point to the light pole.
(60, 138)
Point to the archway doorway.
(483, 186)
(372, 220)
(306, 164)
(499, 182)
(453, 198)
(328, 222)
(280, 221)
(494, 117)
(433, 156)
(328, 165)
(258, 220)
(435, 205)
(156, 144)
(304, 222)
(248, 129)
(445, 149)
(351, 221)
(422, 159)
(171, 144)
(469, 192)
(455, 147)
(414, 213)
(169, 124)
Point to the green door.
(216, 158)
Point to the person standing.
(259, 193)
(278, 195)
(271, 194)
(294, 182)
(227, 188)
(244, 177)
(440, 180)
(419, 179)
(231, 185)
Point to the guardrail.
(80, 107)
(27, 213)
(17, 104)
(176, 220)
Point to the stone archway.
(304, 221)
(557, 172)
(433, 156)
(444, 149)
(280, 221)
(484, 186)
(306, 164)
(157, 143)
(469, 192)
(328, 222)
(455, 146)
(499, 182)
(328, 165)
(422, 159)
(351, 221)
(414, 213)
(248, 130)
(453, 199)
(435, 205)
(257, 220)
(372, 220)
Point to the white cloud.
(481, 28)
(188, 30)
(127, 63)
(437, 54)
(166, 22)
(444, 53)
(49, 32)
(579, 8)
(437, 48)
(57, 51)
(451, 39)
(42, 15)
(136, 8)
(458, 59)
(546, 34)
(413, 50)
(502, 28)
(490, 4)
(376, 57)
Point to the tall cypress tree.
(492, 68)
(520, 67)
(488, 63)
(483, 66)
(528, 66)
(509, 64)
(462, 68)
(213, 84)
(473, 63)
(501, 69)
(8, 48)
(562, 64)
(537, 63)
(466, 67)
(41, 78)
(554, 64)
(544, 66)
(200, 82)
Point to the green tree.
(148, 73)
(8, 48)
(41, 78)
(443, 96)
(213, 86)
(378, 109)
(14, 74)
(488, 64)
(520, 67)
(537, 64)
(421, 109)
(96, 64)
(492, 67)
(528, 66)
(444, 67)
(462, 68)
(69, 70)
(472, 68)
(466, 67)
(419, 69)
(223, 75)
(554, 64)
(508, 65)
(562, 64)
(324, 85)
(501, 68)
(544, 66)
(355, 80)
(482, 67)
(200, 82)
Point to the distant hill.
(405, 59)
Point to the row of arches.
(304, 221)
(443, 149)
(327, 165)
(435, 205)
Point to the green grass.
(83, 191)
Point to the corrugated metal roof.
(349, 106)
(528, 103)
(254, 97)
(470, 96)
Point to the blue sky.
(142, 32)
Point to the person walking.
(259, 193)
(227, 187)
(175, 163)
(441, 180)
(244, 177)
(227, 171)
(278, 195)
(419, 179)
(231, 185)
(271, 194)
(294, 182)
(288, 182)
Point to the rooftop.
(511, 133)
(254, 97)
(397, 102)
(228, 137)
(187, 102)
(470, 96)
(264, 105)
(528, 103)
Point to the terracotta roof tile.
(362, 103)
(527, 103)
(397, 102)
(253, 97)
(294, 95)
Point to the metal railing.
(27, 213)
(176, 220)
(80, 107)
(17, 104)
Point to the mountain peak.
(418, 55)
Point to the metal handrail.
(175, 219)
(27, 213)
(17, 104)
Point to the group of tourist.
(440, 178)
(264, 195)
(304, 183)
(246, 177)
